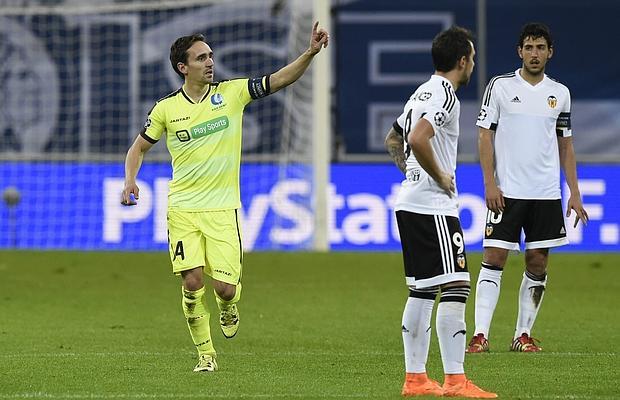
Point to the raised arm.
(569, 165)
(291, 72)
(492, 194)
(133, 162)
(419, 140)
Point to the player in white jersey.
(525, 136)
(423, 143)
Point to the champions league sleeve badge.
(440, 118)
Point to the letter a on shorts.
(179, 251)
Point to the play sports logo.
(209, 127)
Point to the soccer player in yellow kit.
(202, 124)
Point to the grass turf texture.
(110, 325)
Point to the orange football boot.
(457, 385)
(420, 385)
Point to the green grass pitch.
(313, 326)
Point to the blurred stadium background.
(77, 78)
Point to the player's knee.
(225, 291)
(537, 269)
(495, 257)
(192, 284)
(192, 279)
(536, 262)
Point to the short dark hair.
(178, 50)
(449, 46)
(535, 30)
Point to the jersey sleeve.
(489, 110)
(562, 125)
(440, 109)
(399, 123)
(253, 88)
(402, 124)
(155, 124)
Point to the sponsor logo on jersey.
(562, 231)
(183, 135)
(552, 101)
(515, 100)
(221, 271)
(172, 121)
(217, 99)
(440, 118)
(482, 115)
(489, 230)
(209, 127)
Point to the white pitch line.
(559, 353)
(277, 354)
(94, 354)
(189, 353)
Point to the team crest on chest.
(217, 100)
(552, 101)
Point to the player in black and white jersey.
(525, 137)
(423, 143)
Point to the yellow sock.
(225, 304)
(197, 316)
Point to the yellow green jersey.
(204, 140)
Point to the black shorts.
(542, 221)
(433, 249)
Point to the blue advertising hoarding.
(76, 206)
(384, 53)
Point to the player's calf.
(229, 321)
(229, 313)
